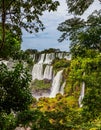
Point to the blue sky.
(49, 37)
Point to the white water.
(62, 88)
(48, 72)
(82, 94)
(46, 59)
(68, 57)
(37, 72)
(40, 73)
(33, 57)
(56, 84)
(41, 59)
(49, 58)
(59, 55)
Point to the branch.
(9, 4)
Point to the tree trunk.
(3, 24)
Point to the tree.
(12, 44)
(90, 65)
(78, 7)
(83, 34)
(85, 37)
(23, 14)
(7, 121)
(14, 89)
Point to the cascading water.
(41, 59)
(49, 58)
(59, 55)
(33, 57)
(82, 94)
(37, 72)
(48, 72)
(62, 88)
(56, 84)
(67, 57)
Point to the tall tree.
(24, 14)
(83, 34)
(14, 89)
(78, 7)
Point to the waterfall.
(37, 72)
(68, 57)
(62, 88)
(49, 58)
(48, 72)
(60, 55)
(33, 57)
(56, 84)
(41, 73)
(82, 94)
(41, 59)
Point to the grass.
(40, 84)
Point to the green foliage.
(35, 119)
(78, 7)
(85, 37)
(83, 34)
(59, 113)
(40, 84)
(22, 56)
(59, 64)
(7, 122)
(69, 28)
(89, 71)
(26, 117)
(25, 14)
(50, 50)
(56, 113)
(19, 14)
(14, 89)
(12, 45)
(31, 51)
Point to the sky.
(49, 37)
